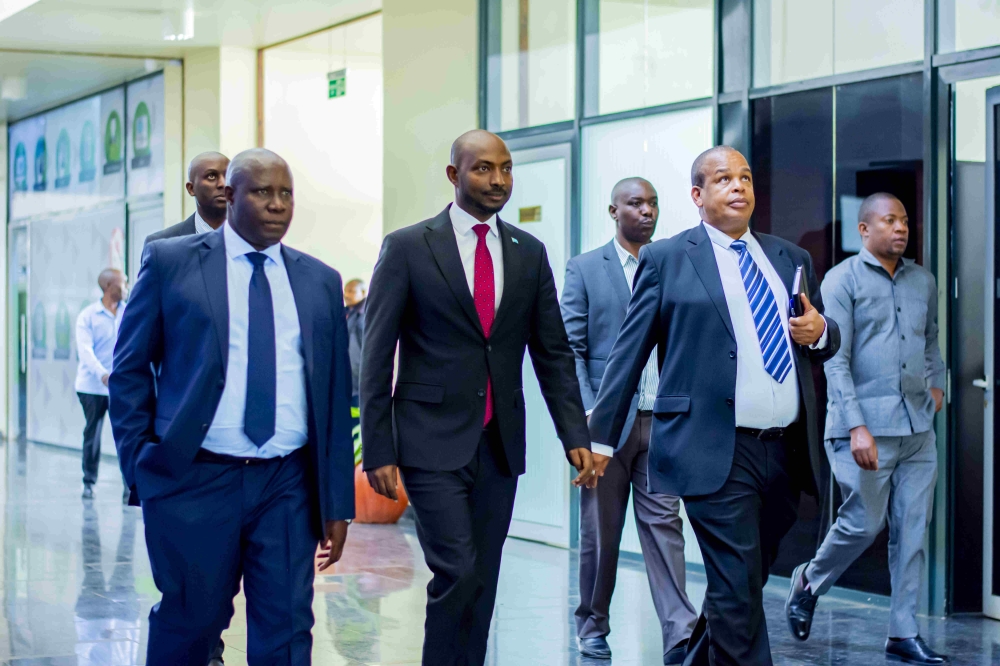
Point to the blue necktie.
(262, 381)
(770, 333)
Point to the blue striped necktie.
(766, 318)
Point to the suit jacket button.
(489, 348)
(732, 354)
(730, 402)
(482, 393)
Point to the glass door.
(540, 205)
(991, 505)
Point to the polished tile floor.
(77, 591)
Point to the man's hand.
(104, 379)
(383, 481)
(807, 329)
(864, 449)
(938, 399)
(583, 461)
(601, 464)
(332, 545)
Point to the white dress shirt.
(761, 402)
(96, 334)
(200, 225)
(467, 240)
(226, 435)
(649, 382)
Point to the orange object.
(372, 508)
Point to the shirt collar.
(870, 259)
(623, 254)
(237, 247)
(103, 310)
(200, 225)
(463, 222)
(722, 239)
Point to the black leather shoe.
(800, 605)
(676, 654)
(88, 492)
(913, 651)
(596, 648)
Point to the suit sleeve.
(387, 300)
(827, 352)
(840, 381)
(555, 364)
(132, 390)
(339, 494)
(629, 355)
(575, 311)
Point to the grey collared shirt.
(889, 357)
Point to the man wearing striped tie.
(734, 429)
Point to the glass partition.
(967, 24)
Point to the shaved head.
(473, 142)
(112, 284)
(249, 161)
(202, 160)
(698, 168)
(626, 185)
(872, 205)
(107, 277)
(260, 198)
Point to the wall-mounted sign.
(529, 214)
(337, 83)
(113, 158)
(62, 160)
(87, 153)
(141, 128)
(38, 346)
(63, 328)
(41, 165)
(20, 168)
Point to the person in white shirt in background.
(96, 333)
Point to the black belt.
(204, 455)
(644, 412)
(764, 435)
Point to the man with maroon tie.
(463, 294)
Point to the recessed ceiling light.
(13, 88)
(10, 7)
(186, 25)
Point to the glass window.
(648, 52)
(658, 148)
(532, 63)
(967, 24)
(797, 40)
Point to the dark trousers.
(462, 522)
(661, 533)
(225, 520)
(94, 409)
(739, 528)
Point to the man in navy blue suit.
(734, 429)
(241, 455)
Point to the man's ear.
(190, 188)
(696, 196)
(452, 172)
(612, 209)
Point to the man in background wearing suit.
(463, 294)
(207, 184)
(595, 298)
(736, 407)
(241, 454)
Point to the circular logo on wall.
(87, 152)
(38, 348)
(61, 351)
(113, 144)
(62, 160)
(41, 165)
(20, 168)
(142, 126)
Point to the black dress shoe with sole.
(595, 648)
(913, 651)
(800, 605)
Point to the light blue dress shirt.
(96, 334)
(226, 435)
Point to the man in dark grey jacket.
(355, 294)
(207, 184)
(884, 388)
(595, 298)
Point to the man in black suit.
(734, 428)
(207, 184)
(241, 453)
(463, 294)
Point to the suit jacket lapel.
(702, 255)
(511, 270)
(780, 261)
(317, 374)
(213, 270)
(440, 237)
(619, 283)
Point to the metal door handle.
(981, 383)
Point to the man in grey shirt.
(884, 388)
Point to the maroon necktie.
(484, 296)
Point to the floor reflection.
(78, 589)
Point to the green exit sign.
(337, 83)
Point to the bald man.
(595, 299)
(96, 333)
(463, 295)
(884, 389)
(241, 453)
(734, 418)
(207, 184)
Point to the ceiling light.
(185, 24)
(13, 88)
(10, 7)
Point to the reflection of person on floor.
(884, 388)
(96, 333)
(112, 611)
(595, 298)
